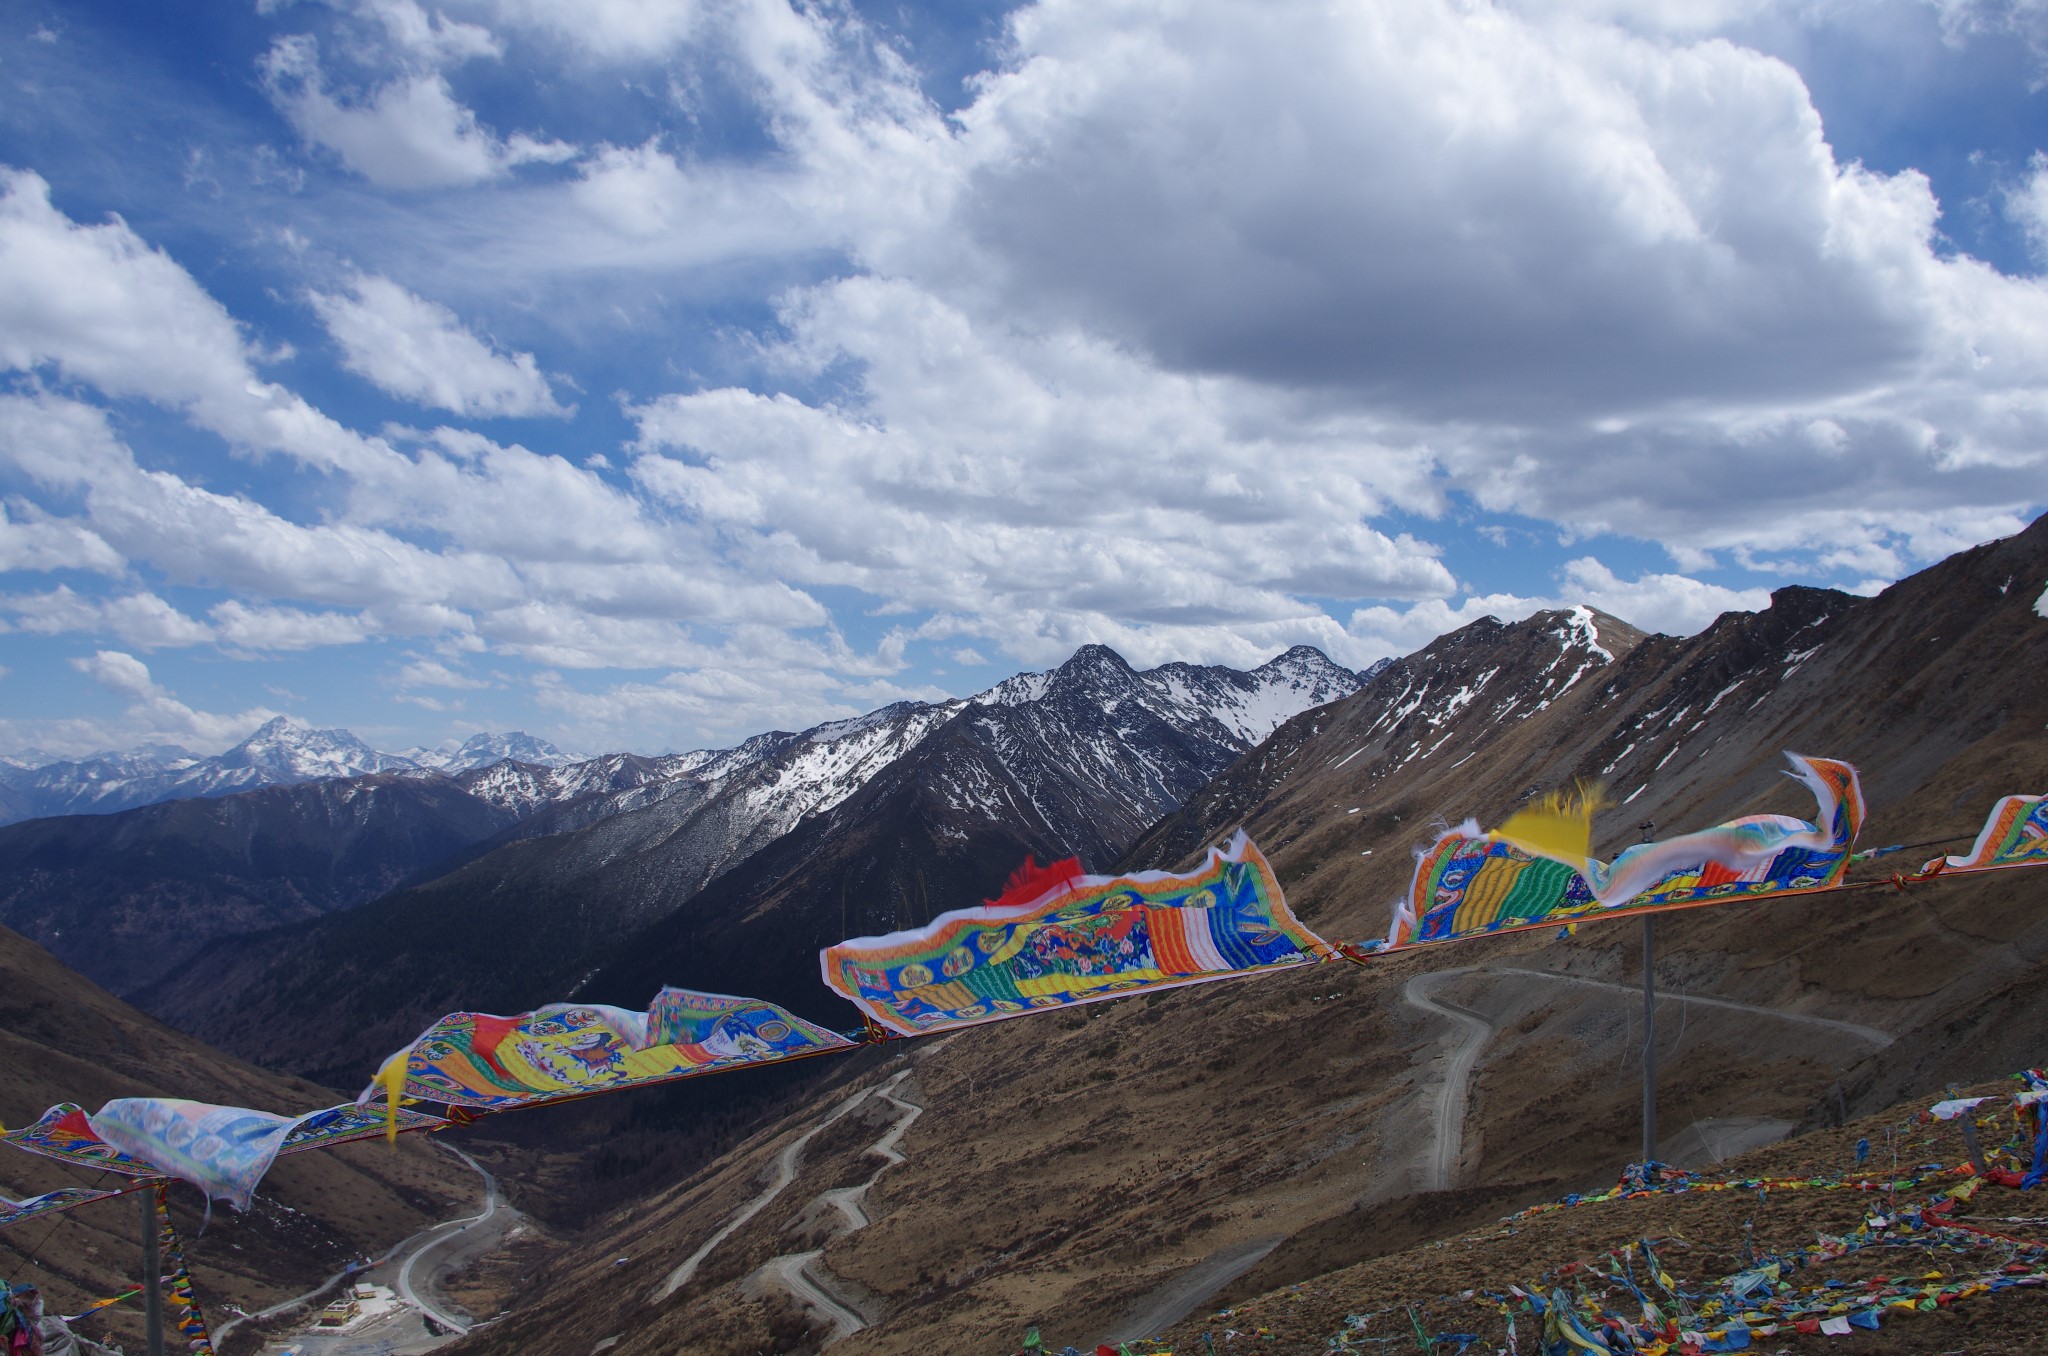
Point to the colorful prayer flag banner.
(66, 1133)
(349, 1122)
(2016, 834)
(49, 1203)
(1535, 871)
(109, 1302)
(222, 1150)
(1955, 1107)
(1058, 938)
(474, 1059)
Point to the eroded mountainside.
(127, 898)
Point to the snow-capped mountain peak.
(482, 750)
(1015, 690)
(782, 777)
(1249, 705)
(282, 751)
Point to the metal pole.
(1649, 1039)
(1649, 829)
(152, 1273)
(1970, 1141)
(1968, 1122)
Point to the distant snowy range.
(523, 770)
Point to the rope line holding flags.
(1055, 938)
(185, 1312)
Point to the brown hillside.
(63, 1038)
(1099, 1174)
(1702, 1237)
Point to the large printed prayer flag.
(347, 1122)
(222, 1150)
(1059, 938)
(1472, 882)
(66, 1133)
(568, 1049)
(49, 1203)
(2016, 834)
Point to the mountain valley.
(63, 1038)
(1088, 1172)
(1104, 1173)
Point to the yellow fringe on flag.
(1560, 825)
(392, 1079)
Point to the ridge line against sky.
(647, 373)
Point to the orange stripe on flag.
(1169, 942)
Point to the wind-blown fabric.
(66, 1133)
(1078, 939)
(474, 1059)
(222, 1150)
(2016, 834)
(49, 1203)
(1471, 882)
(349, 1122)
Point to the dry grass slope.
(1069, 1171)
(63, 1038)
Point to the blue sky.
(647, 373)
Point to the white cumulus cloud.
(37, 541)
(284, 628)
(100, 306)
(153, 714)
(141, 619)
(2027, 204)
(411, 133)
(419, 350)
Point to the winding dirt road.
(791, 1272)
(784, 1173)
(1856, 1029)
(1176, 1297)
(804, 1275)
(1448, 1144)
(443, 1233)
(410, 1249)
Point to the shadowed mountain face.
(1072, 1171)
(735, 879)
(127, 898)
(63, 1038)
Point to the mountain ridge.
(132, 896)
(1092, 758)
